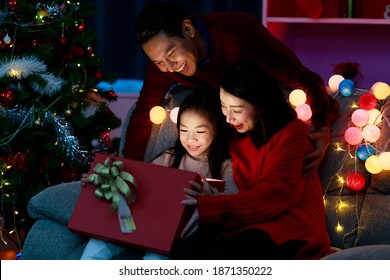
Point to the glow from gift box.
(353, 135)
(371, 133)
(372, 165)
(157, 114)
(304, 112)
(360, 117)
(381, 90)
(384, 160)
(173, 114)
(334, 82)
(297, 97)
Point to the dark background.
(114, 20)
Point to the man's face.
(173, 54)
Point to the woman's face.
(174, 54)
(239, 113)
(196, 133)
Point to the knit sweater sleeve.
(273, 187)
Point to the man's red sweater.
(232, 37)
(273, 195)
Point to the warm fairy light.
(157, 114)
(342, 205)
(360, 117)
(334, 82)
(375, 116)
(354, 105)
(384, 160)
(297, 97)
(173, 114)
(340, 179)
(381, 90)
(304, 112)
(339, 228)
(14, 73)
(371, 133)
(353, 135)
(339, 148)
(372, 165)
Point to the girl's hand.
(84, 179)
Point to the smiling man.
(195, 50)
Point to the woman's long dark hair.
(248, 81)
(206, 102)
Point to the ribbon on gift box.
(117, 186)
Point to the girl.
(201, 147)
(278, 213)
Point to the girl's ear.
(188, 29)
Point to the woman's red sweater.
(274, 195)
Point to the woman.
(278, 212)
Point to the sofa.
(358, 222)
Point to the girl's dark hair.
(207, 103)
(159, 16)
(248, 81)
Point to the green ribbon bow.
(113, 187)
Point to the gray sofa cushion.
(371, 252)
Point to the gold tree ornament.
(42, 16)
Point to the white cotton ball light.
(381, 90)
(384, 160)
(173, 114)
(334, 82)
(375, 116)
(371, 133)
(297, 97)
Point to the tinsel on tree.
(53, 115)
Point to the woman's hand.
(321, 140)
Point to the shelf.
(371, 21)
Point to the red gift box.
(158, 214)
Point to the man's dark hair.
(159, 16)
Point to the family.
(272, 205)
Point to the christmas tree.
(53, 115)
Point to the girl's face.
(241, 114)
(196, 133)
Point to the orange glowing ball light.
(353, 135)
(297, 97)
(360, 117)
(355, 181)
(157, 114)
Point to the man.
(195, 50)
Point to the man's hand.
(321, 139)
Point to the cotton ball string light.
(355, 181)
(364, 151)
(375, 116)
(371, 133)
(157, 114)
(360, 117)
(297, 97)
(381, 90)
(372, 165)
(334, 82)
(384, 160)
(367, 101)
(346, 87)
(353, 135)
(304, 112)
(173, 114)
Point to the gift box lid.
(158, 214)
